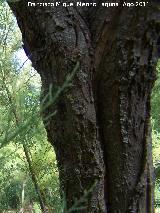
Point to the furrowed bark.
(125, 73)
(55, 40)
(117, 51)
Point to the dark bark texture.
(101, 132)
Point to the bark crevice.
(100, 132)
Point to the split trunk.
(101, 132)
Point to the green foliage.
(20, 124)
(156, 134)
(156, 101)
(21, 128)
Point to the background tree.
(19, 105)
(156, 135)
(101, 131)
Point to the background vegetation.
(28, 169)
(156, 135)
(26, 156)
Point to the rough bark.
(101, 130)
(125, 75)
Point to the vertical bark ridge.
(118, 48)
(124, 75)
(56, 38)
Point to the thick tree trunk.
(125, 76)
(101, 130)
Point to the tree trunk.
(34, 179)
(101, 130)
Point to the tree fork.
(118, 51)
